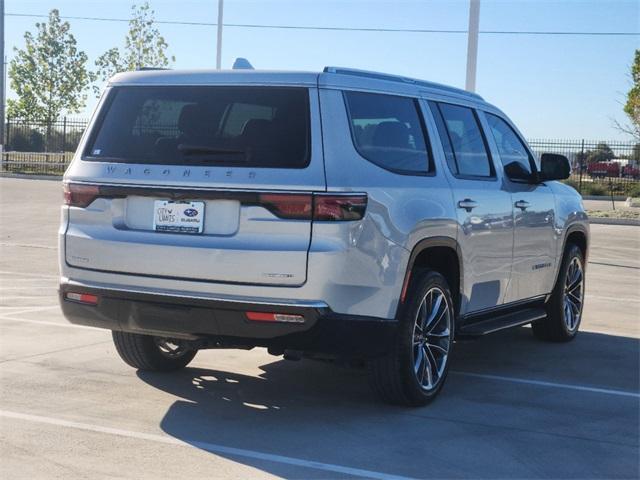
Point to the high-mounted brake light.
(79, 195)
(86, 298)
(274, 317)
(339, 208)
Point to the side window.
(510, 146)
(388, 130)
(464, 141)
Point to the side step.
(485, 325)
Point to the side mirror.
(516, 171)
(554, 167)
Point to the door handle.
(522, 205)
(467, 204)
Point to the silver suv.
(346, 214)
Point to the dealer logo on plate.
(191, 212)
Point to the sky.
(560, 87)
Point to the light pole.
(219, 45)
(2, 76)
(472, 44)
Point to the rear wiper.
(202, 149)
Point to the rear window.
(226, 126)
(387, 130)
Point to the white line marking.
(52, 324)
(21, 297)
(209, 447)
(27, 245)
(613, 299)
(21, 310)
(541, 383)
(25, 274)
(29, 287)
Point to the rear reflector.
(79, 195)
(274, 317)
(85, 298)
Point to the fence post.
(7, 142)
(581, 167)
(64, 135)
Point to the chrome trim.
(164, 294)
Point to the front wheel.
(564, 308)
(415, 369)
(156, 354)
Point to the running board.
(498, 322)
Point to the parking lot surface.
(512, 406)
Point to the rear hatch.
(206, 183)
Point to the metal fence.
(599, 167)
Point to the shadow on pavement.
(477, 427)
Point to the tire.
(399, 377)
(155, 354)
(564, 308)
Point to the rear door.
(209, 183)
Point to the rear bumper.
(223, 323)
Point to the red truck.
(603, 169)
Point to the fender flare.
(420, 247)
(574, 227)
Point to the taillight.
(79, 195)
(339, 208)
(326, 207)
(289, 206)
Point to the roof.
(331, 77)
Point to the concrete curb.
(604, 198)
(614, 221)
(28, 176)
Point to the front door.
(483, 205)
(535, 237)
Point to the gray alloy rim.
(431, 339)
(170, 348)
(573, 294)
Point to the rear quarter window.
(388, 131)
(214, 125)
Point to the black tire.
(559, 326)
(394, 377)
(144, 352)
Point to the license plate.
(178, 217)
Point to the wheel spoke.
(444, 334)
(434, 313)
(437, 348)
(427, 372)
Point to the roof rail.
(146, 69)
(400, 79)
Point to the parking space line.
(40, 322)
(613, 299)
(24, 274)
(209, 447)
(28, 245)
(540, 383)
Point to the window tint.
(510, 147)
(388, 131)
(465, 140)
(241, 126)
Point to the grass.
(35, 163)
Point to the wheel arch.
(442, 254)
(576, 234)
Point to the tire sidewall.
(413, 390)
(558, 301)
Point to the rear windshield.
(240, 126)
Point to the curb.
(604, 198)
(614, 221)
(28, 176)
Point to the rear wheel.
(145, 352)
(415, 370)
(564, 308)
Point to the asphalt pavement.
(512, 406)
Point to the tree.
(632, 105)
(49, 74)
(144, 46)
(602, 153)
